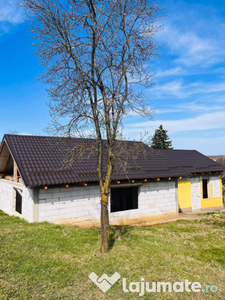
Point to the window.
(124, 198)
(19, 201)
(205, 188)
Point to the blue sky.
(189, 91)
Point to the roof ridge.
(65, 137)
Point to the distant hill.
(217, 157)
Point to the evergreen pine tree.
(161, 140)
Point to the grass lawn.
(45, 261)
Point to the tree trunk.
(104, 224)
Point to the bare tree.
(95, 54)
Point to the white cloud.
(177, 89)
(195, 107)
(185, 71)
(191, 108)
(192, 48)
(25, 133)
(193, 36)
(220, 99)
(10, 15)
(196, 131)
(205, 121)
(206, 145)
(194, 33)
(172, 88)
(10, 12)
(168, 110)
(170, 72)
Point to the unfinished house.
(55, 180)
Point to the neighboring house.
(55, 179)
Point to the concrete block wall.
(8, 200)
(195, 193)
(28, 204)
(81, 205)
(196, 189)
(215, 182)
(74, 204)
(162, 195)
(6, 197)
(156, 200)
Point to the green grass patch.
(46, 261)
(216, 215)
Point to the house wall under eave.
(195, 193)
(8, 201)
(81, 205)
(215, 198)
(214, 201)
(78, 205)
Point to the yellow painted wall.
(211, 202)
(184, 194)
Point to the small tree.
(161, 140)
(95, 53)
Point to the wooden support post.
(15, 172)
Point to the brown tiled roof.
(191, 160)
(40, 161)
